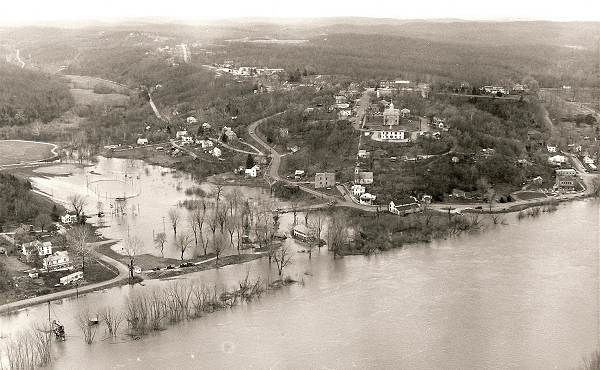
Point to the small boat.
(100, 214)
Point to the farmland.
(16, 151)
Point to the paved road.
(123, 274)
(273, 172)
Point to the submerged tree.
(282, 258)
(174, 218)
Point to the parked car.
(186, 264)
(170, 267)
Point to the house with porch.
(58, 261)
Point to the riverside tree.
(77, 238)
(159, 242)
(78, 203)
(131, 248)
(183, 242)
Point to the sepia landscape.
(299, 192)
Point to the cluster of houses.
(566, 179)
(246, 71)
(502, 90)
(206, 145)
(51, 261)
(392, 87)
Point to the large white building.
(393, 135)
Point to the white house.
(367, 199)
(551, 149)
(344, 113)
(362, 153)
(191, 120)
(206, 126)
(58, 260)
(142, 141)
(216, 152)
(405, 112)
(36, 247)
(186, 140)
(404, 206)
(363, 178)
(68, 218)
(557, 160)
(358, 190)
(588, 160)
(298, 174)
(251, 172)
(206, 144)
(180, 134)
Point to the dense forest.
(27, 96)
(382, 56)
(18, 204)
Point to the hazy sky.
(17, 11)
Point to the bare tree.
(78, 203)
(131, 248)
(316, 227)
(219, 244)
(194, 226)
(337, 235)
(159, 242)
(218, 192)
(283, 258)
(230, 226)
(183, 242)
(77, 238)
(174, 218)
(43, 220)
(234, 199)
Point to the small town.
(289, 192)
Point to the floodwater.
(151, 191)
(520, 296)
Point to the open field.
(89, 97)
(89, 83)
(16, 151)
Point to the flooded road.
(150, 192)
(521, 296)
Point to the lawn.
(15, 152)
(527, 195)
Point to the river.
(520, 296)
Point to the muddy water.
(151, 191)
(521, 296)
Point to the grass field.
(88, 97)
(15, 152)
